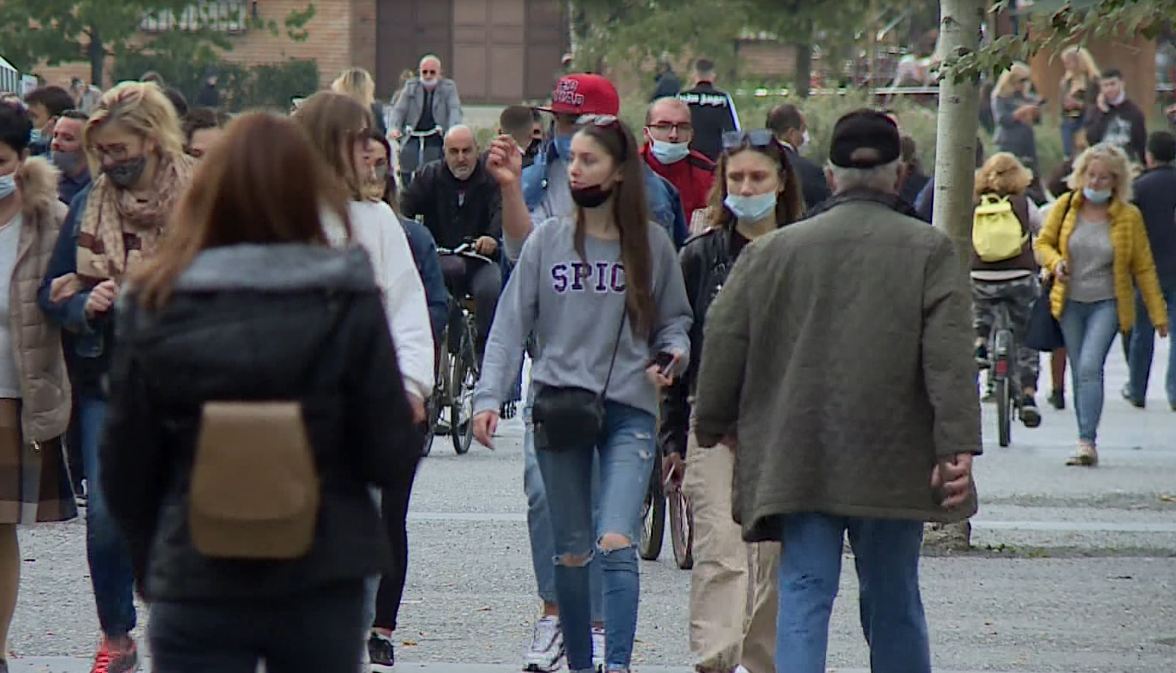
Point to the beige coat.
(36, 486)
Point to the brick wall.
(761, 58)
(341, 34)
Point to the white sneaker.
(546, 653)
(598, 647)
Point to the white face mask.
(804, 142)
(670, 153)
(429, 82)
(7, 185)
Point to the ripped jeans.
(626, 452)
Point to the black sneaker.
(981, 355)
(1126, 393)
(381, 652)
(1057, 400)
(1030, 416)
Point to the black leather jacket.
(258, 322)
(706, 260)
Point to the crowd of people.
(221, 336)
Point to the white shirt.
(375, 227)
(9, 374)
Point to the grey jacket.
(839, 352)
(409, 105)
(1012, 135)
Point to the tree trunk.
(955, 140)
(955, 167)
(97, 53)
(804, 67)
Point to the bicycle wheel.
(465, 378)
(1004, 412)
(653, 517)
(681, 529)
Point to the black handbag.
(1043, 333)
(569, 418)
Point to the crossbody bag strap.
(616, 346)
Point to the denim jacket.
(665, 205)
(86, 342)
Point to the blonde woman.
(136, 151)
(1079, 90)
(1015, 109)
(1096, 246)
(1011, 282)
(358, 84)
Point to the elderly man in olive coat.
(837, 360)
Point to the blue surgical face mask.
(563, 146)
(7, 185)
(669, 153)
(1098, 196)
(35, 136)
(751, 208)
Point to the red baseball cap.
(584, 94)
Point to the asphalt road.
(1072, 571)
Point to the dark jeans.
(394, 511)
(1143, 340)
(312, 632)
(482, 281)
(106, 548)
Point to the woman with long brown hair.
(602, 292)
(135, 148)
(248, 302)
(756, 192)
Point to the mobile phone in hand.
(663, 360)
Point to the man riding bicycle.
(425, 111)
(459, 202)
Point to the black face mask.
(590, 197)
(126, 173)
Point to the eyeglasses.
(428, 72)
(733, 140)
(682, 128)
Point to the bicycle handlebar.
(466, 249)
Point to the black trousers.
(316, 631)
(394, 511)
(479, 280)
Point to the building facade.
(499, 51)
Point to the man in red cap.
(541, 191)
(668, 132)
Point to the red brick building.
(499, 51)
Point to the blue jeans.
(1143, 341)
(106, 548)
(886, 554)
(1070, 128)
(539, 524)
(1089, 330)
(625, 451)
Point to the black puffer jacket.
(706, 260)
(275, 322)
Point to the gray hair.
(459, 128)
(879, 178)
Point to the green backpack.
(997, 234)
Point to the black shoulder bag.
(569, 417)
(1043, 333)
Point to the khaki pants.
(733, 584)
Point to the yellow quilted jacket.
(1133, 265)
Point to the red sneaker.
(116, 658)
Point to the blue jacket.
(86, 343)
(424, 253)
(665, 205)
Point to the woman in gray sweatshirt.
(602, 291)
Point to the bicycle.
(458, 368)
(654, 508)
(410, 134)
(1005, 375)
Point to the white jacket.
(375, 227)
